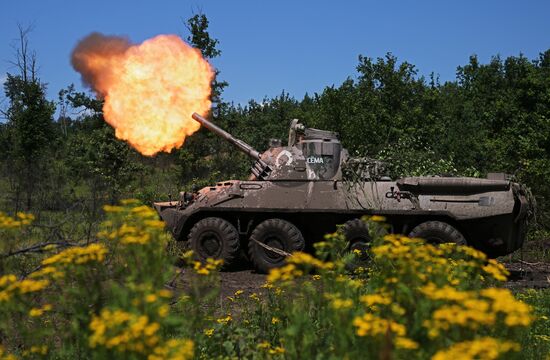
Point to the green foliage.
(29, 136)
(409, 157)
(109, 298)
(103, 161)
(113, 303)
(537, 341)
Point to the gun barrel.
(244, 147)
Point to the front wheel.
(215, 238)
(271, 240)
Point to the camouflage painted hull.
(491, 214)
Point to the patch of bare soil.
(522, 275)
(230, 281)
(525, 274)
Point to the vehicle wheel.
(356, 232)
(277, 234)
(438, 232)
(215, 238)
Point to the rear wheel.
(270, 241)
(438, 232)
(215, 238)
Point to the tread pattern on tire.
(293, 241)
(441, 229)
(356, 227)
(229, 238)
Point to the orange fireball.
(150, 90)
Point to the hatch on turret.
(322, 151)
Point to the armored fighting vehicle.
(299, 192)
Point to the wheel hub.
(210, 244)
(275, 243)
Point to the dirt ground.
(230, 281)
(246, 280)
(522, 275)
(525, 274)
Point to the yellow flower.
(406, 343)
(285, 273)
(78, 255)
(373, 299)
(377, 218)
(339, 304)
(110, 208)
(7, 279)
(163, 310)
(42, 350)
(476, 254)
(482, 348)
(151, 329)
(157, 224)
(277, 350)
(306, 260)
(173, 349)
(397, 310)
(516, 312)
(224, 320)
(372, 325)
(264, 345)
(203, 271)
(35, 312)
(209, 332)
(447, 293)
(275, 320)
(29, 285)
(496, 270)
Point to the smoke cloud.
(95, 58)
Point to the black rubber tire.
(215, 238)
(276, 233)
(356, 232)
(438, 232)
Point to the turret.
(310, 154)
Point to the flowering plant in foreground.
(120, 297)
(102, 300)
(414, 300)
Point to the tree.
(199, 37)
(29, 130)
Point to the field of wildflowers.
(115, 298)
